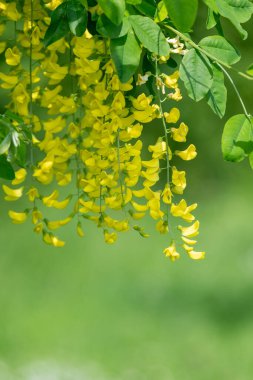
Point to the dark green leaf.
(21, 154)
(109, 30)
(238, 133)
(150, 35)
(147, 8)
(182, 13)
(126, 54)
(6, 170)
(217, 95)
(133, 2)
(221, 49)
(59, 26)
(113, 9)
(77, 17)
(196, 73)
(14, 116)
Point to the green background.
(91, 311)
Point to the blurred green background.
(97, 312)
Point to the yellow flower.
(38, 228)
(53, 4)
(190, 231)
(183, 211)
(167, 195)
(12, 194)
(189, 241)
(170, 81)
(176, 95)
(154, 208)
(110, 238)
(173, 116)
(162, 227)
(51, 201)
(17, 217)
(138, 207)
(10, 81)
(171, 252)
(179, 134)
(53, 240)
(2, 46)
(178, 179)
(137, 215)
(10, 11)
(188, 154)
(12, 56)
(142, 102)
(79, 230)
(36, 216)
(59, 223)
(32, 194)
(74, 130)
(48, 201)
(159, 150)
(196, 255)
(193, 254)
(21, 99)
(20, 176)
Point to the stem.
(30, 76)
(165, 134)
(235, 88)
(212, 57)
(120, 177)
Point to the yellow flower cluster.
(87, 128)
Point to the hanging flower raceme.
(86, 157)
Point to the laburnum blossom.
(88, 159)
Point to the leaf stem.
(235, 88)
(212, 57)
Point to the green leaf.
(5, 144)
(59, 26)
(14, 116)
(237, 134)
(147, 7)
(109, 30)
(195, 72)
(182, 13)
(84, 3)
(77, 17)
(212, 5)
(217, 95)
(161, 12)
(250, 70)
(251, 160)
(21, 154)
(133, 2)
(237, 11)
(150, 35)
(126, 53)
(211, 19)
(6, 170)
(113, 9)
(221, 49)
